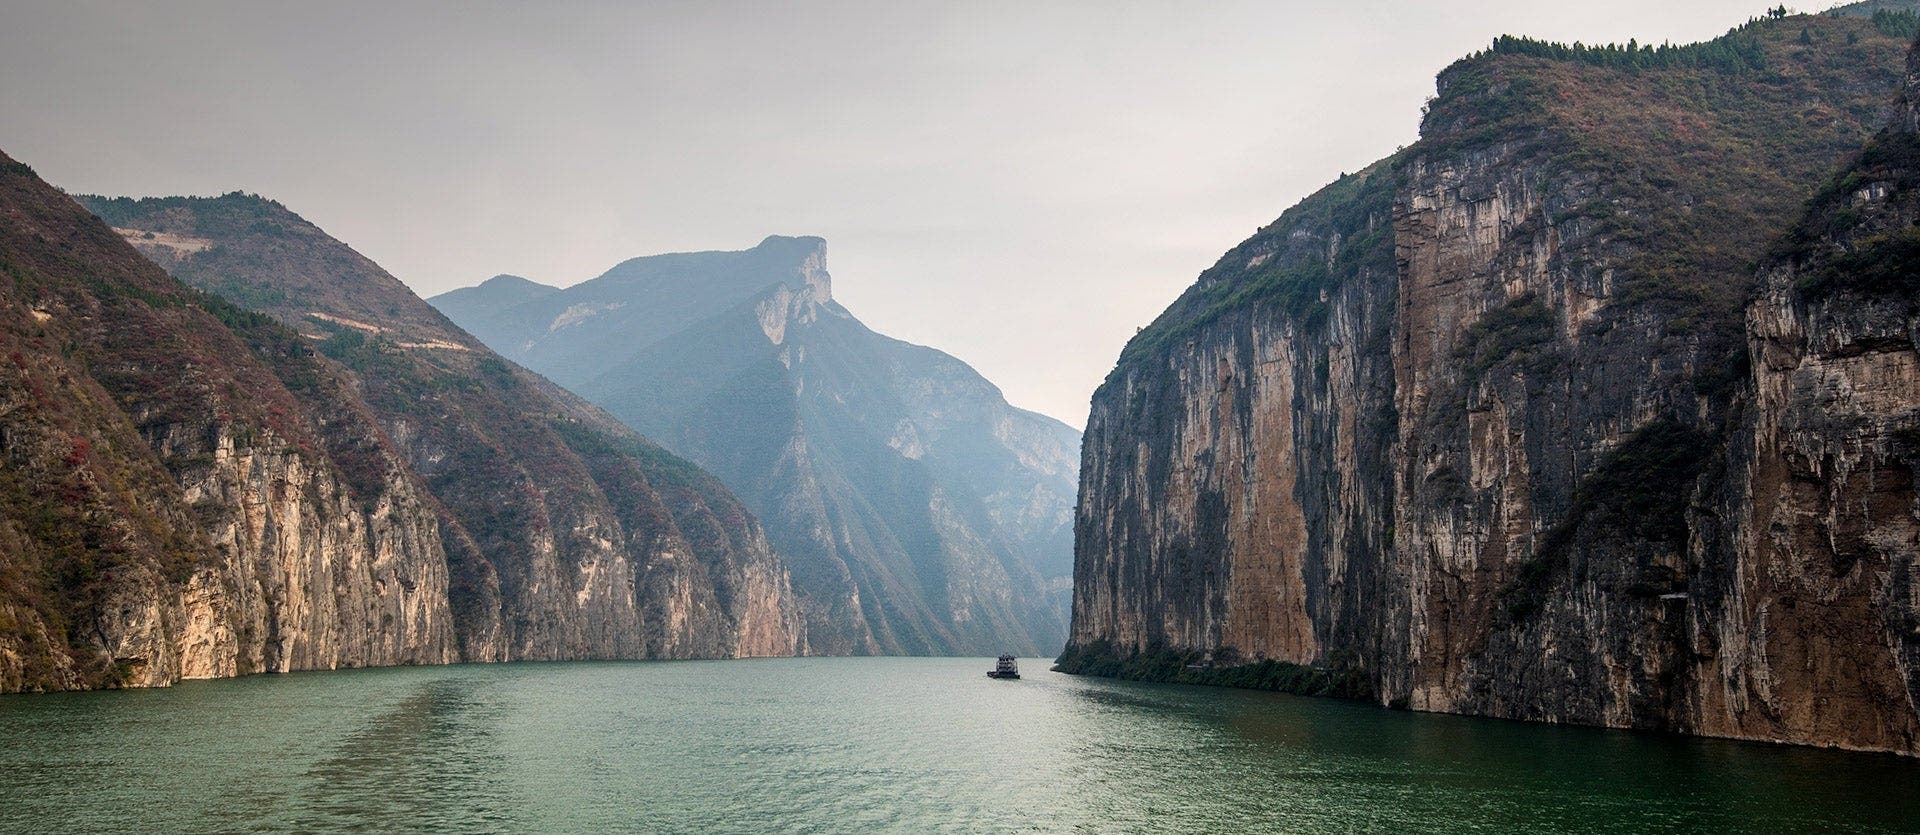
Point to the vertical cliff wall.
(1234, 491)
(1812, 631)
(1452, 426)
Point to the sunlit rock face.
(919, 511)
(1508, 424)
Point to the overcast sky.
(1020, 184)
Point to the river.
(870, 744)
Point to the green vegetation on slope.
(1176, 666)
(1737, 51)
(1831, 254)
(1522, 328)
(1897, 23)
(1696, 164)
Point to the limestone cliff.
(1453, 426)
(1812, 632)
(570, 536)
(189, 489)
(185, 490)
(1234, 492)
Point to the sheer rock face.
(920, 512)
(570, 536)
(1816, 636)
(1249, 516)
(186, 493)
(1495, 441)
(1478, 423)
(308, 580)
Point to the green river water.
(870, 744)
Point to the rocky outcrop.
(569, 536)
(919, 511)
(1472, 425)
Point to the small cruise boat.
(1005, 668)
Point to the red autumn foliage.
(77, 455)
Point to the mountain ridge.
(746, 363)
(570, 526)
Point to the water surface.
(899, 744)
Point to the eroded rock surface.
(1493, 425)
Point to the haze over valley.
(977, 169)
(665, 417)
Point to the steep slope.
(1443, 431)
(186, 491)
(571, 537)
(919, 511)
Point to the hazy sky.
(1021, 184)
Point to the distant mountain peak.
(921, 513)
(795, 242)
(505, 281)
(811, 253)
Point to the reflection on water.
(430, 761)
(863, 744)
